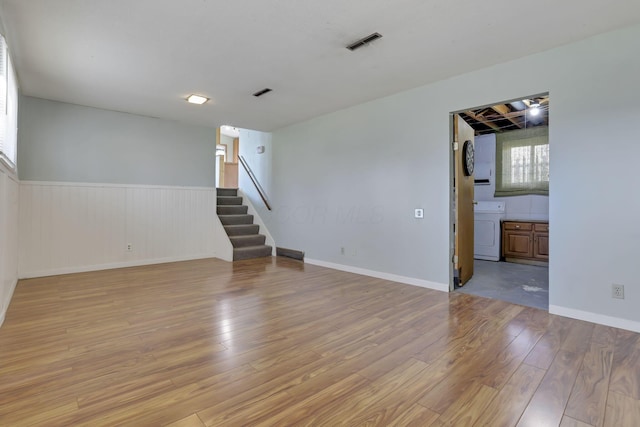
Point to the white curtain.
(522, 162)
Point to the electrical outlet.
(617, 291)
(418, 213)
(129, 247)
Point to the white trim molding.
(616, 322)
(381, 275)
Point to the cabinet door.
(517, 244)
(541, 245)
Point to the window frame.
(9, 95)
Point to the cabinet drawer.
(541, 227)
(524, 226)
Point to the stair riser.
(244, 230)
(244, 241)
(244, 253)
(229, 201)
(232, 210)
(236, 219)
(227, 192)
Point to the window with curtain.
(8, 108)
(522, 162)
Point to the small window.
(8, 108)
(522, 162)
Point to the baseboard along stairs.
(243, 233)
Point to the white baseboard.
(601, 319)
(110, 266)
(8, 302)
(380, 275)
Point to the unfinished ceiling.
(146, 56)
(509, 116)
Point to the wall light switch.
(419, 213)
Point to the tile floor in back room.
(516, 283)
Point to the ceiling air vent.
(262, 92)
(364, 41)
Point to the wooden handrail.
(261, 191)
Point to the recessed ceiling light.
(197, 99)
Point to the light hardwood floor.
(275, 342)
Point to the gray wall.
(71, 143)
(352, 178)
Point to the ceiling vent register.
(262, 92)
(364, 41)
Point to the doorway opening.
(500, 208)
(227, 149)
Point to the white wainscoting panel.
(8, 239)
(68, 227)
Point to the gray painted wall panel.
(71, 143)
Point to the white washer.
(487, 233)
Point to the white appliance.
(486, 230)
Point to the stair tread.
(236, 219)
(246, 236)
(229, 201)
(231, 209)
(242, 229)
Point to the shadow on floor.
(516, 283)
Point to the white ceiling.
(146, 56)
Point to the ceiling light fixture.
(197, 99)
(534, 108)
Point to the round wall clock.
(468, 159)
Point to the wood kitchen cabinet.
(525, 242)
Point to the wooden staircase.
(243, 233)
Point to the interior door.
(463, 202)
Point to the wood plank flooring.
(274, 342)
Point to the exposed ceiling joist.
(508, 116)
(504, 111)
(482, 120)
